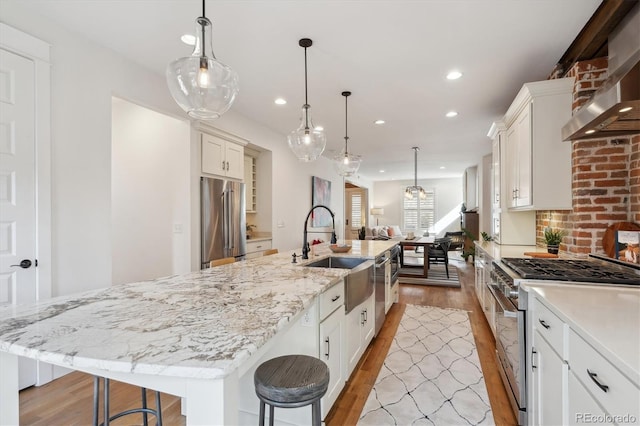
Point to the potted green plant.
(553, 238)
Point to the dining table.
(405, 268)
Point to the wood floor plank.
(68, 400)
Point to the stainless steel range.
(511, 307)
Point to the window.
(356, 210)
(417, 208)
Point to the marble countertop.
(201, 324)
(606, 317)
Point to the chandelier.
(306, 142)
(203, 86)
(409, 191)
(346, 164)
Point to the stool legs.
(315, 413)
(107, 417)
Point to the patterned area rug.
(437, 276)
(431, 375)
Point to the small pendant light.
(306, 142)
(408, 192)
(203, 86)
(346, 164)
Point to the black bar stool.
(107, 417)
(291, 381)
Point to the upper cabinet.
(222, 157)
(221, 153)
(536, 166)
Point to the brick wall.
(605, 177)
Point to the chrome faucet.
(305, 244)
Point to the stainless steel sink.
(358, 285)
(337, 262)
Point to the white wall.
(150, 194)
(448, 193)
(84, 78)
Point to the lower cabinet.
(549, 378)
(360, 327)
(583, 407)
(332, 335)
(255, 248)
(572, 381)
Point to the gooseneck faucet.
(305, 245)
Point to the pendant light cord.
(305, 77)
(415, 167)
(346, 128)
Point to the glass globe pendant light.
(306, 142)
(202, 85)
(346, 164)
(409, 190)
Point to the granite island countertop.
(202, 324)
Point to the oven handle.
(508, 312)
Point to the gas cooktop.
(572, 270)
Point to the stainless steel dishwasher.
(379, 280)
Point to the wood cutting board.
(609, 238)
(540, 254)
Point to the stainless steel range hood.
(614, 109)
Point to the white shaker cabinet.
(222, 157)
(360, 326)
(537, 163)
(518, 156)
(332, 338)
(549, 369)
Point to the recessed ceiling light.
(381, 171)
(319, 128)
(454, 75)
(189, 39)
(280, 101)
(452, 114)
(588, 132)
(442, 167)
(379, 122)
(626, 109)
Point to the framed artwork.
(320, 194)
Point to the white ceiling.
(392, 55)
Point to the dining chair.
(223, 261)
(439, 252)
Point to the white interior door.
(17, 189)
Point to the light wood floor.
(68, 400)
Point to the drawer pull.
(594, 377)
(328, 347)
(333, 299)
(544, 324)
(533, 352)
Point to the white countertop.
(202, 324)
(497, 251)
(607, 317)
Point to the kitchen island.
(193, 335)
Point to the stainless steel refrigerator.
(222, 221)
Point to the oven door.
(510, 349)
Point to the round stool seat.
(291, 380)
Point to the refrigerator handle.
(225, 229)
(232, 228)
